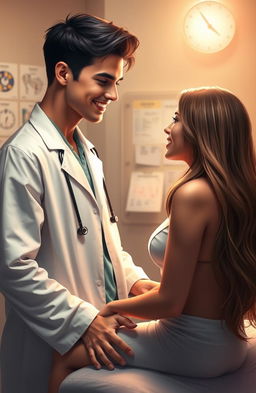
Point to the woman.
(206, 250)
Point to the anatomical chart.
(26, 108)
(32, 82)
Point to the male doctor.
(61, 256)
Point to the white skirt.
(187, 345)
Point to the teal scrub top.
(110, 282)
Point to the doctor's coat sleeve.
(44, 304)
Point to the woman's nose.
(167, 129)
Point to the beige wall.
(164, 63)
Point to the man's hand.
(100, 337)
(143, 286)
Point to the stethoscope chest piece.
(82, 231)
(113, 219)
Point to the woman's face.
(178, 148)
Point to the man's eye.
(102, 81)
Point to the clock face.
(209, 27)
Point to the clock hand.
(213, 29)
(209, 25)
(205, 19)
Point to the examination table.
(132, 380)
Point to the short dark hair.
(81, 38)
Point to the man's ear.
(62, 72)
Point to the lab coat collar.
(48, 132)
(46, 129)
(54, 141)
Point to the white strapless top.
(157, 243)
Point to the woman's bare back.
(206, 296)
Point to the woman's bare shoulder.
(197, 191)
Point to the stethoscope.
(82, 229)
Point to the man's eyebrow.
(109, 76)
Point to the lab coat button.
(98, 283)
(95, 211)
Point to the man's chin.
(97, 119)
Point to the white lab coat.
(53, 280)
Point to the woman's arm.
(189, 218)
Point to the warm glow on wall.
(209, 27)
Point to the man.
(61, 256)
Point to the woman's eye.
(175, 119)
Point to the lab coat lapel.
(74, 170)
(53, 140)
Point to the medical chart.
(32, 82)
(8, 81)
(145, 192)
(150, 117)
(149, 155)
(26, 108)
(21, 87)
(8, 117)
(145, 178)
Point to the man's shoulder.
(24, 139)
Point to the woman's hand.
(106, 310)
(143, 286)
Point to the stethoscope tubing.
(113, 217)
(82, 229)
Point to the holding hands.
(100, 339)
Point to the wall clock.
(209, 27)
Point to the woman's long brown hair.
(218, 127)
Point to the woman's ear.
(62, 72)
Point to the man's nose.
(112, 93)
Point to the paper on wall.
(8, 117)
(32, 82)
(145, 192)
(150, 117)
(146, 121)
(148, 155)
(8, 81)
(26, 108)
